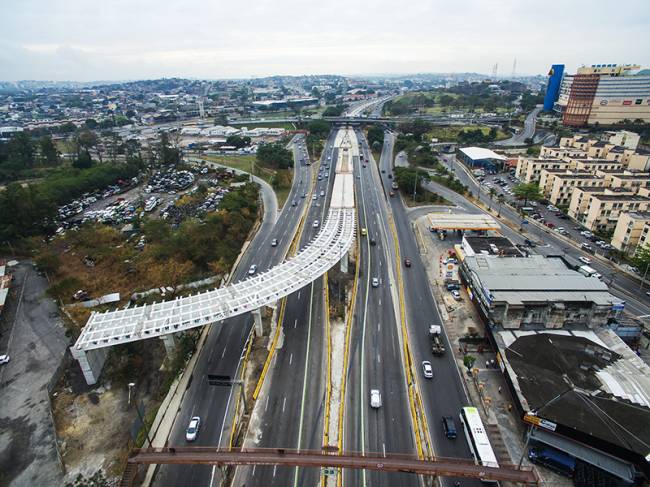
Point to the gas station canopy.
(461, 221)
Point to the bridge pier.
(344, 262)
(169, 341)
(257, 319)
(91, 362)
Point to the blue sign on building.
(553, 87)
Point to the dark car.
(449, 426)
(373, 242)
(407, 262)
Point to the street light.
(131, 386)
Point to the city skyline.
(122, 40)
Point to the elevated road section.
(161, 319)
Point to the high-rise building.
(553, 87)
(603, 94)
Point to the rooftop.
(535, 279)
(621, 197)
(476, 153)
(498, 246)
(462, 221)
(588, 382)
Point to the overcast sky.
(134, 39)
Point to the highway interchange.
(291, 407)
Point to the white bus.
(477, 438)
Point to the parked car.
(192, 430)
(456, 294)
(584, 260)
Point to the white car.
(316, 224)
(192, 430)
(584, 260)
(375, 282)
(252, 270)
(427, 369)
(274, 242)
(4, 359)
(455, 294)
(375, 398)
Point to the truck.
(587, 271)
(435, 332)
(554, 459)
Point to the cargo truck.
(435, 332)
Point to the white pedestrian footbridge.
(328, 247)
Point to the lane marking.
(284, 403)
(266, 406)
(290, 358)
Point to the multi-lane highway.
(444, 394)
(225, 342)
(375, 344)
(527, 132)
(292, 404)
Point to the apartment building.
(581, 198)
(604, 210)
(557, 186)
(529, 170)
(631, 232)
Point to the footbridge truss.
(159, 319)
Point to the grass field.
(450, 134)
(244, 163)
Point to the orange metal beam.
(447, 467)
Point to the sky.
(88, 40)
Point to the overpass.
(448, 467)
(162, 319)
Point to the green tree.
(49, 153)
(24, 211)
(83, 160)
(375, 134)
(274, 155)
(20, 150)
(527, 192)
(641, 259)
(238, 141)
(167, 155)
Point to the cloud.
(128, 39)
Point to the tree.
(527, 192)
(334, 111)
(375, 134)
(20, 150)
(167, 155)
(238, 141)
(274, 155)
(83, 160)
(49, 153)
(641, 259)
(319, 128)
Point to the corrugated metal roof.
(476, 153)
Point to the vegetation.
(527, 192)
(274, 155)
(641, 259)
(334, 111)
(409, 182)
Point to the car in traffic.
(375, 398)
(364, 231)
(375, 282)
(584, 260)
(449, 426)
(252, 270)
(316, 224)
(274, 242)
(427, 369)
(322, 193)
(407, 262)
(192, 430)
(294, 203)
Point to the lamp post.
(415, 185)
(137, 410)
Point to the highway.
(443, 395)
(292, 409)
(375, 343)
(224, 344)
(623, 286)
(526, 133)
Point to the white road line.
(295, 323)
(275, 467)
(290, 359)
(299, 294)
(284, 403)
(214, 468)
(266, 406)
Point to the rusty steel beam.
(446, 467)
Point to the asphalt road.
(443, 395)
(294, 403)
(375, 346)
(622, 285)
(222, 351)
(526, 133)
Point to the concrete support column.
(91, 362)
(257, 317)
(170, 343)
(344, 262)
